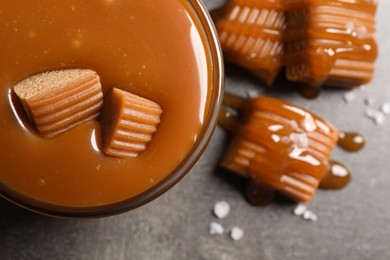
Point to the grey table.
(353, 223)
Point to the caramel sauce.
(351, 141)
(309, 92)
(152, 48)
(337, 177)
(258, 194)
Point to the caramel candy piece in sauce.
(57, 101)
(250, 33)
(128, 123)
(282, 146)
(330, 42)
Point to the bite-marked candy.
(57, 101)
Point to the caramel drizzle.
(343, 47)
(252, 150)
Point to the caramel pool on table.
(152, 48)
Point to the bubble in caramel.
(250, 33)
(128, 122)
(330, 42)
(281, 146)
(57, 101)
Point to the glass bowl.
(217, 74)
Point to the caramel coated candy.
(330, 42)
(250, 33)
(128, 122)
(282, 146)
(57, 101)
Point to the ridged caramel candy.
(330, 42)
(128, 122)
(57, 101)
(282, 146)
(250, 33)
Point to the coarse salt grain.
(386, 108)
(309, 215)
(221, 209)
(370, 113)
(379, 118)
(314, 217)
(236, 233)
(349, 97)
(215, 229)
(299, 210)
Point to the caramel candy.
(57, 101)
(281, 146)
(250, 33)
(128, 123)
(330, 42)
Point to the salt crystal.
(299, 210)
(307, 215)
(314, 217)
(215, 229)
(362, 32)
(371, 113)
(386, 108)
(301, 140)
(236, 233)
(221, 209)
(349, 96)
(294, 124)
(379, 118)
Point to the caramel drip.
(351, 141)
(309, 92)
(250, 35)
(236, 102)
(330, 42)
(337, 177)
(258, 194)
(129, 122)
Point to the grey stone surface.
(353, 223)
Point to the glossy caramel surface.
(331, 42)
(152, 48)
(250, 33)
(281, 146)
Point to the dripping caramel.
(281, 146)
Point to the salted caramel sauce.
(337, 177)
(155, 49)
(330, 42)
(351, 141)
